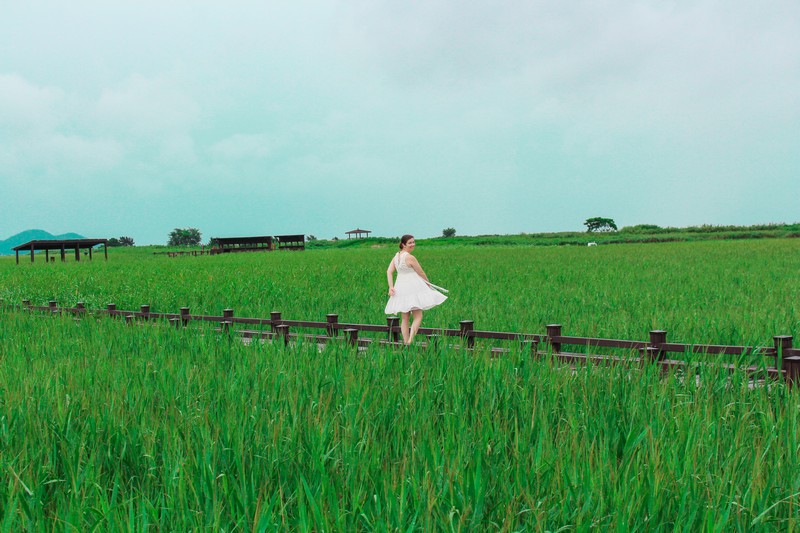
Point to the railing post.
(53, 305)
(227, 320)
(283, 332)
(391, 323)
(80, 307)
(466, 326)
(26, 303)
(781, 343)
(275, 320)
(654, 352)
(112, 309)
(351, 334)
(792, 364)
(175, 322)
(534, 345)
(330, 329)
(434, 340)
(185, 317)
(145, 310)
(129, 319)
(789, 364)
(554, 330)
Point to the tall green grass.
(737, 292)
(105, 426)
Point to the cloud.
(243, 146)
(40, 146)
(145, 107)
(619, 66)
(26, 107)
(136, 138)
(57, 165)
(73, 154)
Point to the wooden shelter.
(62, 245)
(358, 233)
(224, 245)
(291, 242)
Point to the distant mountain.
(7, 246)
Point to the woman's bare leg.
(415, 324)
(404, 327)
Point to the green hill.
(7, 246)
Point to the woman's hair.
(404, 239)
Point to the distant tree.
(311, 238)
(600, 224)
(113, 242)
(449, 232)
(126, 241)
(184, 237)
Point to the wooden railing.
(784, 358)
(185, 252)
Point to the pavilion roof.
(57, 244)
(226, 241)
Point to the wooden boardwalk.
(780, 360)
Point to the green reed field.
(110, 427)
(736, 292)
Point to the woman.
(412, 293)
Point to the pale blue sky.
(250, 118)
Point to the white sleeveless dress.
(410, 290)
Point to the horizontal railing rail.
(785, 358)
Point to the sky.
(132, 118)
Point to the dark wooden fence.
(781, 360)
(185, 252)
